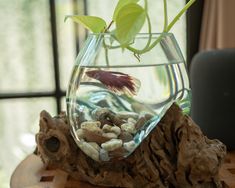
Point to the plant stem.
(105, 46)
(168, 28)
(149, 30)
(179, 15)
(107, 28)
(165, 16)
(146, 5)
(136, 51)
(106, 53)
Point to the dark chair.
(212, 78)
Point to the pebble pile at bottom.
(109, 135)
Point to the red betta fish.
(117, 82)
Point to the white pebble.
(128, 127)
(131, 120)
(104, 156)
(89, 150)
(94, 145)
(93, 126)
(130, 146)
(97, 114)
(109, 135)
(80, 133)
(116, 130)
(126, 115)
(107, 128)
(112, 144)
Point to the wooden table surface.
(31, 173)
(227, 172)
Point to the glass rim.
(137, 35)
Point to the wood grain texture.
(227, 172)
(32, 173)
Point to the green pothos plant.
(129, 17)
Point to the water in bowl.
(110, 116)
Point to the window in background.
(37, 53)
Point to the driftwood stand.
(175, 154)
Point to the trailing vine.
(129, 17)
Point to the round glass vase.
(115, 97)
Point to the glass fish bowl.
(116, 98)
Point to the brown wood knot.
(46, 178)
(52, 144)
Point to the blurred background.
(37, 53)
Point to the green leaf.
(130, 20)
(92, 23)
(120, 4)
